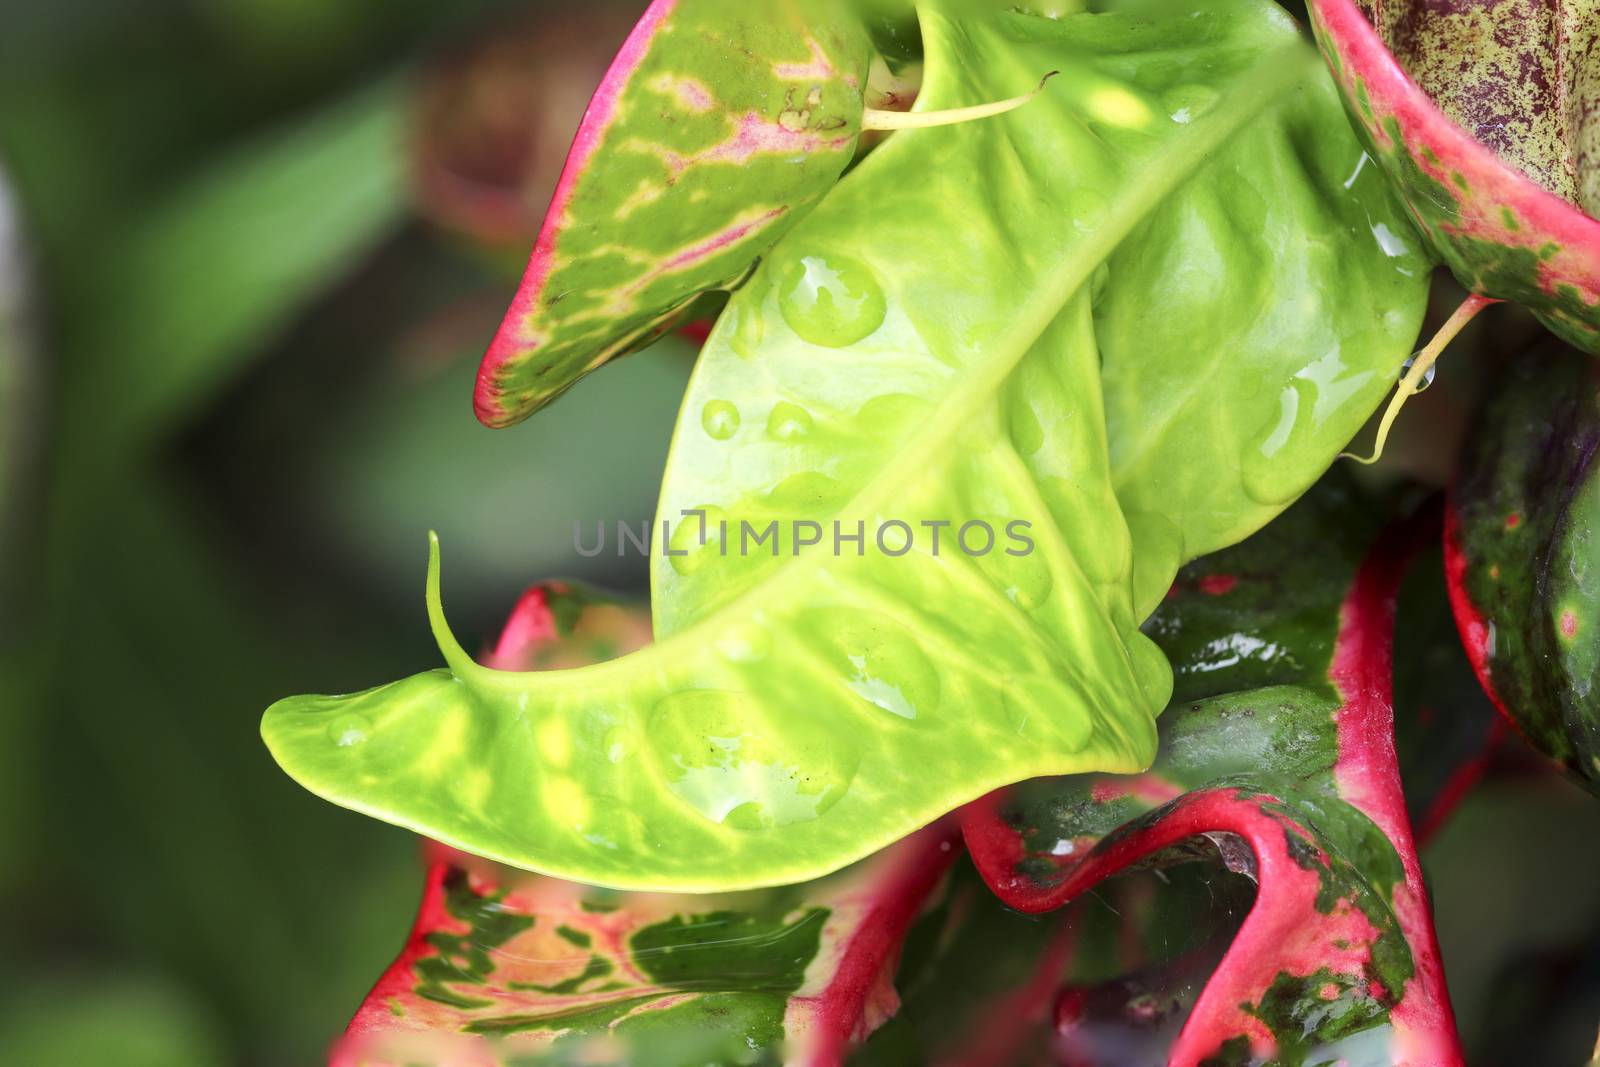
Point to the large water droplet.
(747, 767)
(831, 301)
(1267, 469)
(788, 422)
(876, 659)
(350, 729)
(1043, 707)
(720, 419)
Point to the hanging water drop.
(1427, 375)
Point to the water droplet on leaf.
(747, 767)
(1025, 580)
(1185, 103)
(720, 419)
(1270, 477)
(876, 659)
(788, 422)
(1427, 375)
(349, 730)
(697, 538)
(618, 744)
(832, 301)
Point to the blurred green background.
(250, 253)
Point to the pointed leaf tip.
(691, 161)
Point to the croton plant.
(998, 564)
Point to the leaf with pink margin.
(502, 966)
(1501, 232)
(1523, 554)
(1278, 759)
(1106, 980)
(717, 126)
(1517, 76)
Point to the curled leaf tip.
(454, 655)
(876, 119)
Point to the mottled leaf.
(797, 725)
(1519, 77)
(718, 125)
(516, 965)
(1278, 759)
(506, 967)
(1483, 115)
(1107, 980)
(1229, 385)
(1524, 554)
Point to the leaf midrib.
(1165, 170)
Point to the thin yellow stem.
(1421, 363)
(876, 119)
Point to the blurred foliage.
(240, 399)
(253, 392)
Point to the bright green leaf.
(1240, 354)
(806, 708)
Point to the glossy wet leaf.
(840, 701)
(718, 125)
(806, 710)
(1524, 554)
(527, 969)
(1482, 114)
(1277, 754)
(1229, 385)
(1106, 980)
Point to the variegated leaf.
(505, 967)
(1278, 759)
(1483, 115)
(1524, 555)
(718, 125)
